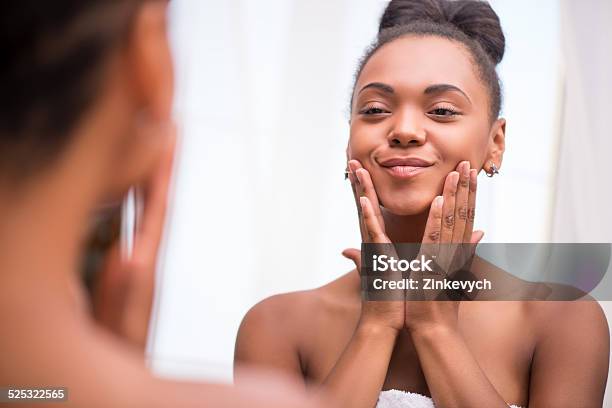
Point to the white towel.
(403, 399)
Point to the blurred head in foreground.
(86, 88)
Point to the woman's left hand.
(449, 238)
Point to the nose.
(407, 129)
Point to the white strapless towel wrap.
(403, 399)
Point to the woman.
(424, 122)
(85, 113)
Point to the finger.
(433, 228)
(445, 250)
(354, 255)
(476, 237)
(109, 290)
(353, 165)
(156, 202)
(448, 208)
(370, 192)
(471, 212)
(374, 230)
(474, 240)
(141, 267)
(461, 201)
(137, 313)
(368, 188)
(357, 192)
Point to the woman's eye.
(447, 112)
(373, 111)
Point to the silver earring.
(493, 170)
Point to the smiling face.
(419, 108)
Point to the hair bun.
(474, 18)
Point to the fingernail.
(362, 202)
(439, 201)
(466, 169)
(473, 175)
(359, 176)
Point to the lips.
(405, 167)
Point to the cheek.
(364, 140)
(358, 144)
(457, 145)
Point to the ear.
(150, 60)
(497, 144)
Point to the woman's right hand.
(123, 297)
(374, 313)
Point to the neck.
(405, 228)
(44, 224)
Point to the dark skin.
(462, 354)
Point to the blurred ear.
(497, 144)
(150, 59)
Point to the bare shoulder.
(571, 353)
(582, 317)
(280, 314)
(296, 310)
(274, 329)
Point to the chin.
(407, 204)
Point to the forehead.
(415, 62)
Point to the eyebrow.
(441, 88)
(432, 89)
(378, 85)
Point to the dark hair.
(472, 23)
(53, 58)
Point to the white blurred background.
(261, 205)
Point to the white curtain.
(583, 196)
